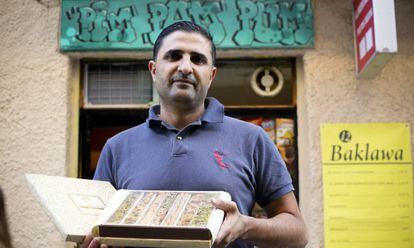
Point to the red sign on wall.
(364, 32)
(375, 35)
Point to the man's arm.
(284, 226)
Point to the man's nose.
(185, 66)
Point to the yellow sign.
(368, 185)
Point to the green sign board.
(132, 25)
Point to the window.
(117, 85)
(116, 96)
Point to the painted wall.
(331, 94)
(36, 103)
(33, 114)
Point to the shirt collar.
(214, 112)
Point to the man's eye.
(173, 56)
(198, 60)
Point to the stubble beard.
(179, 99)
(185, 99)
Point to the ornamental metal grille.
(117, 84)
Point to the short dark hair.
(185, 26)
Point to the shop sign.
(367, 185)
(375, 35)
(105, 25)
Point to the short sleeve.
(105, 170)
(272, 177)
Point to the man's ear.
(213, 74)
(152, 68)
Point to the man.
(188, 144)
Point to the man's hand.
(284, 226)
(234, 225)
(91, 242)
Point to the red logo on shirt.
(219, 160)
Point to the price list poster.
(367, 185)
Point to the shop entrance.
(116, 96)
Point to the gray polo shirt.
(215, 152)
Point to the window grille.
(117, 84)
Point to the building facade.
(41, 97)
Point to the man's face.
(183, 70)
